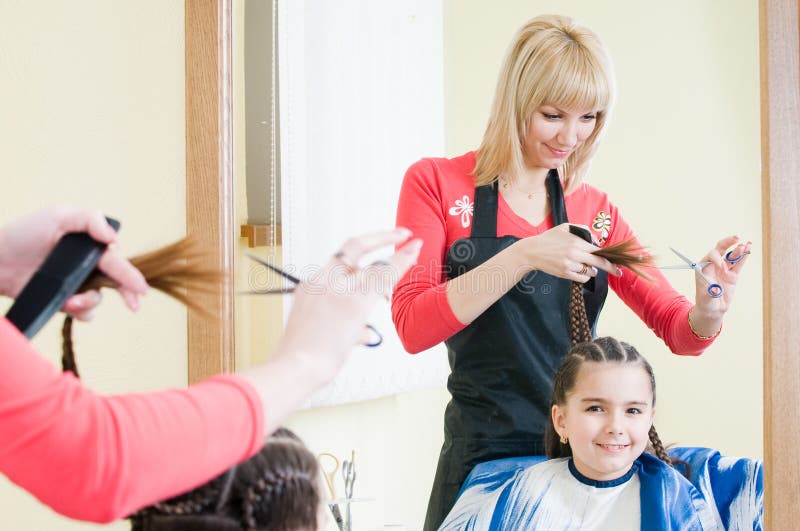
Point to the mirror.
(687, 100)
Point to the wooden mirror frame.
(209, 216)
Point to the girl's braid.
(658, 446)
(67, 353)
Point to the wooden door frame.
(780, 196)
(209, 176)
(209, 215)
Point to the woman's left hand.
(722, 272)
(26, 242)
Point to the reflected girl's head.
(552, 62)
(278, 489)
(602, 407)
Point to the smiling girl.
(607, 466)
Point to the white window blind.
(361, 98)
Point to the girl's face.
(607, 418)
(554, 134)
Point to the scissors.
(714, 290)
(329, 471)
(296, 281)
(349, 475)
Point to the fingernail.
(132, 301)
(619, 272)
(402, 231)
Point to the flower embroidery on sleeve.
(464, 208)
(602, 224)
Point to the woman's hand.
(706, 316)
(328, 318)
(562, 254)
(329, 314)
(26, 242)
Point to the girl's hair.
(177, 270)
(551, 61)
(278, 489)
(627, 254)
(600, 350)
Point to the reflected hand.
(329, 314)
(26, 242)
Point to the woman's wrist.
(702, 325)
(524, 259)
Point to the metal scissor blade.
(271, 267)
(684, 258)
(684, 266)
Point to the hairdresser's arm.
(666, 311)
(326, 321)
(99, 458)
(26, 241)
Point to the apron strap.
(558, 210)
(484, 221)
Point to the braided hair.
(628, 254)
(278, 489)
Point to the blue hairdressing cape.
(722, 493)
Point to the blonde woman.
(498, 257)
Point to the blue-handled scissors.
(714, 290)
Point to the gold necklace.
(508, 186)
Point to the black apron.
(502, 364)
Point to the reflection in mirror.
(680, 159)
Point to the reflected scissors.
(714, 290)
(296, 281)
(329, 471)
(349, 476)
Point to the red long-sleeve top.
(436, 204)
(100, 458)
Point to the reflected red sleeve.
(100, 458)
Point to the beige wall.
(92, 114)
(682, 161)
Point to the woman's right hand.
(562, 254)
(329, 313)
(328, 318)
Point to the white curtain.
(361, 98)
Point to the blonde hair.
(552, 61)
